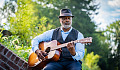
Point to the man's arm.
(46, 36)
(79, 48)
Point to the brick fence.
(10, 61)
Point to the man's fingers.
(44, 53)
(71, 48)
(41, 56)
(71, 44)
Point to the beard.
(66, 25)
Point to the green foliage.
(25, 23)
(85, 67)
(1, 35)
(14, 43)
(44, 26)
(91, 61)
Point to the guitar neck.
(83, 41)
(63, 45)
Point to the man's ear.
(60, 20)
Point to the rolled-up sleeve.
(46, 36)
(79, 48)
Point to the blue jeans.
(63, 65)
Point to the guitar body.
(52, 55)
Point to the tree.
(24, 24)
(113, 35)
(7, 10)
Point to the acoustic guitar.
(52, 48)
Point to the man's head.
(66, 18)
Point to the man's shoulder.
(56, 29)
(49, 31)
(77, 31)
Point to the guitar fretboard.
(85, 40)
(63, 45)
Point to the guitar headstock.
(87, 40)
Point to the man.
(71, 54)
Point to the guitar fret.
(76, 41)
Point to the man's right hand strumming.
(41, 54)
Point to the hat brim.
(65, 16)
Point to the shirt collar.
(67, 31)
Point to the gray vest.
(73, 35)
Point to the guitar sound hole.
(47, 50)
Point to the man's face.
(66, 22)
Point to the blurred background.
(22, 20)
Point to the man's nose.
(67, 19)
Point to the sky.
(1, 3)
(109, 12)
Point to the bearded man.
(71, 54)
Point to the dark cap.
(65, 12)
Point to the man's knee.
(48, 67)
(74, 66)
(53, 66)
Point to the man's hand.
(71, 48)
(41, 54)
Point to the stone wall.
(10, 61)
